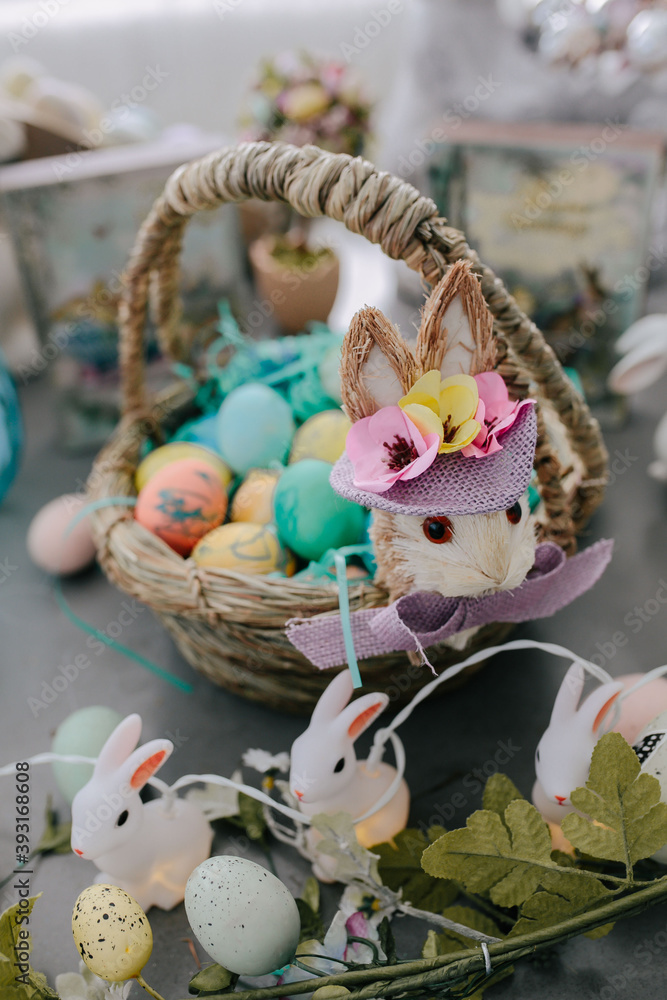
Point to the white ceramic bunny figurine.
(563, 755)
(644, 361)
(325, 775)
(486, 547)
(148, 849)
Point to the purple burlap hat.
(454, 484)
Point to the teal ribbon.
(90, 629)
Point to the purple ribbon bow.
(422, 619)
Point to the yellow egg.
(250, 548)
(111, 932)
(321, 436)
(253, 501)
(175, 451)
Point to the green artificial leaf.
(400, 868)
(625, 802)
(252, 816)
(507, 856)
(212, 979)
(449, 942)
(353, 862)
(56, 836)
(311, 894)
(32, 985)
(387, 942)
(499, 791)
(312, 927)
(563, 895)
(599, 932)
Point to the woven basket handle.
(378, 206)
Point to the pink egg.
(182, 502)
(51, 546)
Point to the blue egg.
(254, 427)
(311, 518)
(83, 733)
(202, 430)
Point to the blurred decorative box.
(565, 215)
(73, 220)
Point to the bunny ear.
(119, 745)
(145, 761)
(456, 330)
(361, 713)
(641, 367)
(569, 693)
(334, 698)
(594, 709)
(377, 366)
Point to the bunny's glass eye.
(122, 818)
(438, 529)
(339, 766)
(514, 513)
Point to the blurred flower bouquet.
(302, 99)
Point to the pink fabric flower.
(387, 447)
(495, 412)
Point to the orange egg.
(182, 502)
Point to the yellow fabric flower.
(449, 403)
(305, 101)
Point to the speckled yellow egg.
(242, 915)
(321, 436)
(174, 452)
(253, 501)
(250, 548)
(181, 503)
(111, 932)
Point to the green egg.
(84, 733)
(310, 516)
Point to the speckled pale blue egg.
(310, 516)
(254, 427)
(242, 915)
(202, 430)
(84, 733)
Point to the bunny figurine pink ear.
(119, 745)
(145, 762)
(358, 716)
(594, 708)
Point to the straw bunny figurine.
(563, 755)
(148, 849)
(461, 526)
(326, 777)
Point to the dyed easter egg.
(111, 933)
(242, 915)
(310, 517)
(84, 732)
(201, 430)
(53, 544)
(255, 427)
(322, 436)
(651, 748)
(181, 502)
(174, 452)
(250, 548)
(253, 501)
(329, 373)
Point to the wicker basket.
(230, 626)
